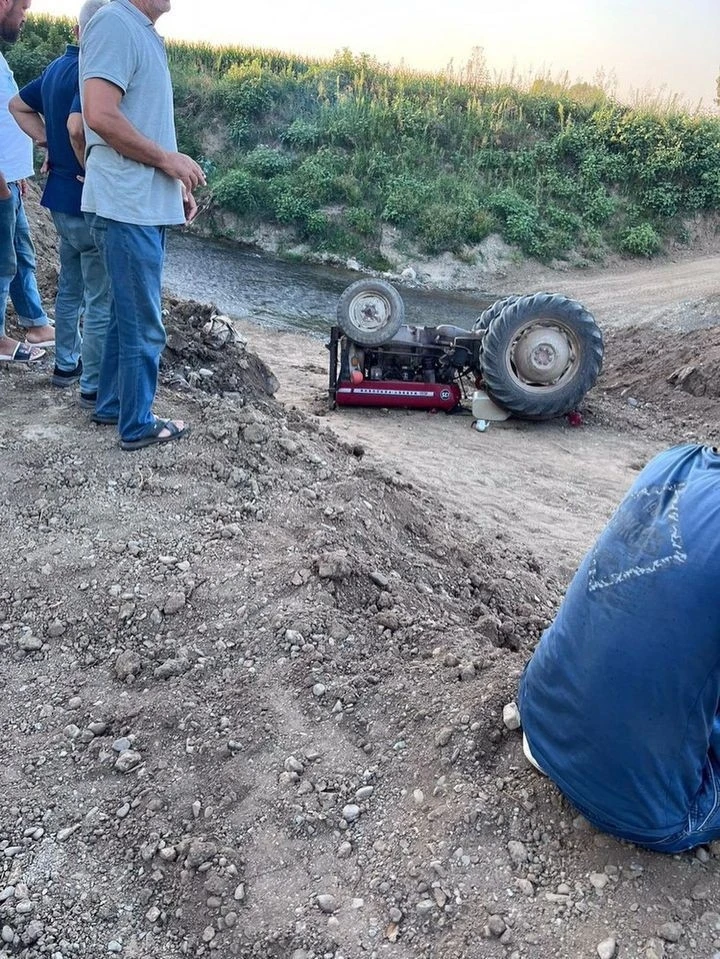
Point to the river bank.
(252, 683)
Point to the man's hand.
(190, 206)
(5, 193)
(182, 167)
(23, 188)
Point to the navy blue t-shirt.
(54, 95)
(619, 700)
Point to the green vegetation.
(335, 149)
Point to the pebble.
(518, 852)
(318, 690)
(230, 919)
(443, 736)
(670, 931)
(120, 745)
(114, 946)
(351, 812)
(293, 765)
(344, 850)
(365, 792)
(30, 643)
(66, 832)
(7, 934)
(418, 797)
(598, 880)
(127, 760)
(327, 903)
(424, 907)
(174, 603)
(511, 716)
(606, 949)
(127, 664)
(496, 925)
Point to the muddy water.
(273, 292)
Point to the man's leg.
(98, 303)
(704, 819)
(8, 266)
(107, 405)
(134, 256)
(23, 288)
(69, 300)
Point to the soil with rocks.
(252, 684)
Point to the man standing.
(136, 184)
(620, 704)
(17, 253)
(41, 110)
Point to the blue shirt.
(619, 700)
(53, 94)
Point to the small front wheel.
(370, 312)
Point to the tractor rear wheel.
(541, 355)
(488, 315)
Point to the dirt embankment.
(252, 683)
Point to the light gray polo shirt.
(120, 44)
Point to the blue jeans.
(17, 265)
(83, 288)
(135, 335)
(702, 825)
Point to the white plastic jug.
(483, 407)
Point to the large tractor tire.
(488, 315)
(541, 355)
(370, 312)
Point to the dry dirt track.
(683, 294)
(548, 485)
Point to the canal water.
(274, 292)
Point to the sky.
(653, 48)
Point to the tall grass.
(337, 147)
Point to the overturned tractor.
(535, 356)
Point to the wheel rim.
(370, 312)
(543, 355)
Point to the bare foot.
(11, 349)
(179, 427)
(40, 336)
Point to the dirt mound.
(675, 377)
(237, 666)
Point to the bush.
(267, 162)
(405, 199)
(641, 240)
(239, 191)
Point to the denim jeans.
(702, 825)
(83, 288)
(135, 334)
(17, 265)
